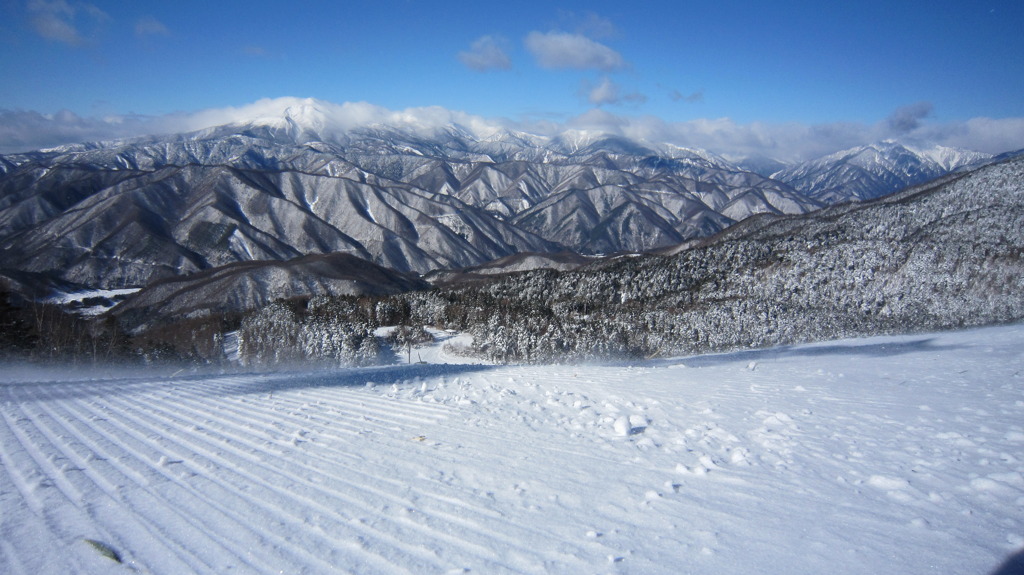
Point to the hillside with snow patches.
(884, 455)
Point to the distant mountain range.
(872, 171)
(127, 213)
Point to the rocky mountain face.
(127, 213)
(872, 171)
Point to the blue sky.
(876, 68)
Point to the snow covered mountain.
(946, 254)
(875, 170)
(404, 195)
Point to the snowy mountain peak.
(685, 153)
(947, 157)
(890, 150)
(307, 116)
(874, 170)
(574, 140)
(516, 138)
(303, 119)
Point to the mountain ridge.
(93, 214)
(407, 195)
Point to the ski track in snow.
(896, 454)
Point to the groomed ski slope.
(884, 455)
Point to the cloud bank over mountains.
(22, 131)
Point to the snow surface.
(883, 455)
(449, 347)
(109, 297)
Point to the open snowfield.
(885, 455)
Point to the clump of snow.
(630, 425)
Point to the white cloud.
(560, 50)
(150, 26)
(607, 91)
(786, 142)
(795, 141)
(254, 50)
(22, 131)
(692, 98)
(28, 130)
(53, 21)
(486, 53)
(596, 120)
(992, 135)
(333, 118)
(589, 24)
(908, 118)
(60, 21)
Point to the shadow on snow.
(887, 349)
(346, 377)
(72, 386)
